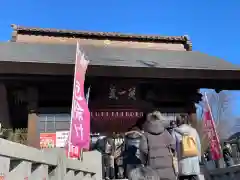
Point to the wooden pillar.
(33, 137)
(192, 113)
(4, 107)
(193, 119)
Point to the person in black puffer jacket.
(132, 153)
(157, 146)
(227, 154)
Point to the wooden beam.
(33, 137)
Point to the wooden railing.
(20, 162)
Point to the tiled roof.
(112, 56)
(101, 35)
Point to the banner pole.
(81, 155)
(88, 94)
(213, 123)
(87, 99)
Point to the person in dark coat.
(119, 162)
(172, 127)
(132, 153)
(143, 173)
(208, 155)
(106, 146)
(227, 154)
(238, 147)
(157, 145)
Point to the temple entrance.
(116, 104)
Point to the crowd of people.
(154, 149)
(227, 157)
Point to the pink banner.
(210, 129)
(80, 115)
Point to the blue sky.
(212, 25)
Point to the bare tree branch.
(221, 107)
(202, 135)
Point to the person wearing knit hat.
(157, 146)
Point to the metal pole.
(214, 126)
(87, 100)
(81, 155)
(217, 162)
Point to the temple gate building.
(128, 76)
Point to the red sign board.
(114, 120)
(2, 176)
(47, 140)
(116, 114)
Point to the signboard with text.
(61, 138)
(47, 140)
(114, 120)
(113, 114)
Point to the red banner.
(74, 152)
(210, 129)
(79, 136)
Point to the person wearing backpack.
(157, 146)
(188, 150)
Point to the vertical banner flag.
(79, 134)
(210, 129)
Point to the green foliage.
(17, 135)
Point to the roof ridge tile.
(123, 36)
